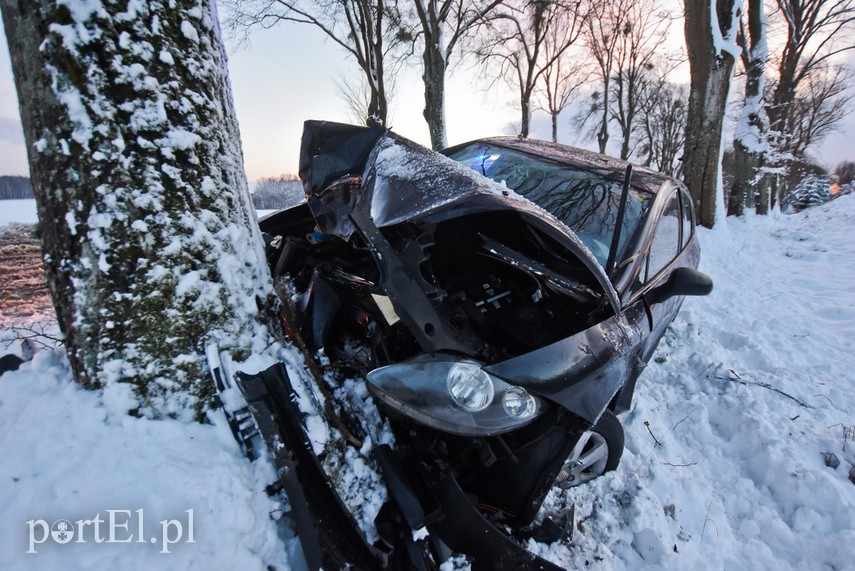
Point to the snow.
(166, 58)
(727, 43)
(18, 211)
(74, 454)
(189, 31)
(748, 389)
(723, 466)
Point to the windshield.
(586, 202)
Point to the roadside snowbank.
(723, 466)
(71, 454)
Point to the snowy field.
(18, 211)
(724, 466)
(25, 211)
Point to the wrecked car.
(498, 300)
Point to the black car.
(500, 299)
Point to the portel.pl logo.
(119, 526)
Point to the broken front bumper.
(330, 536)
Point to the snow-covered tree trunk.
(750, 139)
(710, 28)
(151, 245)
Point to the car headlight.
(454, 396)
(470, 388)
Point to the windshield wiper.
(610, 263)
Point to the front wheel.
(598, 451)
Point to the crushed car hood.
(402, 182)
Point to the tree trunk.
(785, 92)
(434, 80)
(750, 141)
(742, 177)
(554, 116)
(625, 141)
(603, 133)
(376, 108)
(374, 70)
(151, 246)
(525, 115)
(710, 84)
(763, 196)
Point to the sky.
(288, 75)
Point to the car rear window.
(585, 201)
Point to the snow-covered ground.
(18, 211)
(723, 468)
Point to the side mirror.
(682, 281)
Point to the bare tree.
(663, 126)
(369, 30)
(846, 172)
(519, 39)
(644, 30)
(603, 30)
(444, 25)
(277, 192)
(750, 143)
(822, 101)
(560, 81)
(356, 95)
(710, 28)
(816, 32)
(151, 245)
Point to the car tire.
(598, 451)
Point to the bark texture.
(434, 61)
(711, 71)
(151, 247)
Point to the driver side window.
(666, 241)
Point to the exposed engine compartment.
(501, 285)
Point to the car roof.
(604, 165)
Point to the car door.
(672, 245)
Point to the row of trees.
(793, 98)
(545, 50)
(608, 58)
(277, 192)
(15, 187)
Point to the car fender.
(583, 372)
